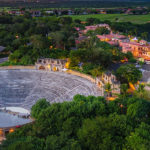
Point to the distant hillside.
(74, 3)
(113, 0)
(53, 1)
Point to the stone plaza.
(22, 88)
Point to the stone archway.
(1, 133)
(54, 68)
(41, 68)
(49, 67)
(99, 84)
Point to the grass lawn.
(4, 8)
(8, 9)
(138, 19)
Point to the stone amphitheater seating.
(23, 88)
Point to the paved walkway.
(2, 60)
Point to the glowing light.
(11, 130)
(17, 36)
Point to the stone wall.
(50, 64)
(98, 81)
(16, 67)
(88, 77)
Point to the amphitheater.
(22, 88)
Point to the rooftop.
(111, 36)
(2, 48)
(10, 120)
(16, 110)
(135, 43)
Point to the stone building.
(10, 120)
(139, 50)
(94, 27)
(106, 78)
(5, 131)
(112, 39)
(50, 64)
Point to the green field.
(7, 9)
(138, 19)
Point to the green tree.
(39, 42)
(144, 35)
(38, 107)
(65, 20)
(101, 132)
(138, 109)
(15, 57)
(128, 73)
(102, 30)
(96, 72)
(90, 33)
(123, 90)
(141, 92)
(139, 139)
(76, 57)
(22, 145)
(52, 143)
(26, 60)
(108, 89)
(77, 21)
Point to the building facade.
(94, 27)
(108, 78)
(139, 50)
(50, 64)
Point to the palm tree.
(140, 92)
(144, 35)
(108, 89)
(96, 72)
(123, 89)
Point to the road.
(3, 60)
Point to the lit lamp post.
(11, 130)
(17, 36)
(1, 133)
(121, 106)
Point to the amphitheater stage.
(22, 88)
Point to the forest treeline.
(78, 4)
(86, 123)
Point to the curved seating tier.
(23, 88)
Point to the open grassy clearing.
(138, 19)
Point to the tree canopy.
(128, 73)
(87, 123)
